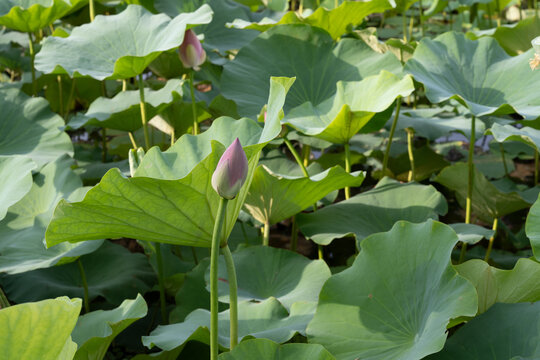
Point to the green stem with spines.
(391, 136)
(32, 61)
(347, 169)
(161, 283)
(85, 286)
(501, 147)
(266, 233)
(410, 137)
(214, 255)
(233, 296)
(4, 302)
(193, 104)
(296, 156)
(491, 239)
(143, 113)
(92, 10)
(535, 167)
(470, 184)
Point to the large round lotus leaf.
(396, 299)
(126, 43)
(502, 286)
(29, 127)
(39, 330)
(514, 39)
(111, 272)
(532, 228)
(217, 37)
(95, 331)
(23, 229)
(471, 233)
(34, 15)
(265, 272)
(335, 21)
(525, 135)
(263, 349)
(433, 125)
(275, 197)
(505, 331)
(164, 210)
(373, 211)
(306, 52)
(15, 180)
(488, 202)
(267, 319)
(123, 112)
(354, 104)
(478, 73)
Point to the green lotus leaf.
(396, 299)
(471, 233)
(532, 228)
(33, 15)
(163, 211)
(491, 164)
(23, 229)
(373, 211)
(30, 128)
(39, 330)
(263, 349)
(516, 38)
(123, 111)
(502, 286)
(526, 135)
(275, 197)
(15, 180)
(353, 105)
(289, 277)
(505, 331)
(335, 21)
(217, 37)
(488, 201)
(433, 125)
(95, 331)
(267, 319)
(148, 35)
(306, 52)
(112, 272)
(477, 73)
(426, 163)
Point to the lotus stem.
(70, 98)
(391, 136)
(306, 153)
(216, 236)
(404, 19)
(491, 239)
(296, 156)
(85, 286)
(535, 167)
(410, 137)
(161, 283)
(4, 302)
(92, 10)
(32, 60)
(421, 18)
(132, 139)
(490, 16)
(503, 159)
(266, 233)
(193, 104)
(470, 185)
(194, 253)
(143, 113)
(320, 252)
(233, 296)
(60, 95)
(347, 169)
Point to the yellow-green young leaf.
(264, 349)
(95, 331)
(148, 34)
(275, 197)
(502, 286)
(39, 330)
(396, 299)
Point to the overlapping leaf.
(148, 35)
(532, 228)
(373, 211)
(15, 180)
(500, 84)
(263, 349)
(390, 306)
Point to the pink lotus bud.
(192, 54)
(231, 171)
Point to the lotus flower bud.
(231, 171)
(534, 63)
(192, 54)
